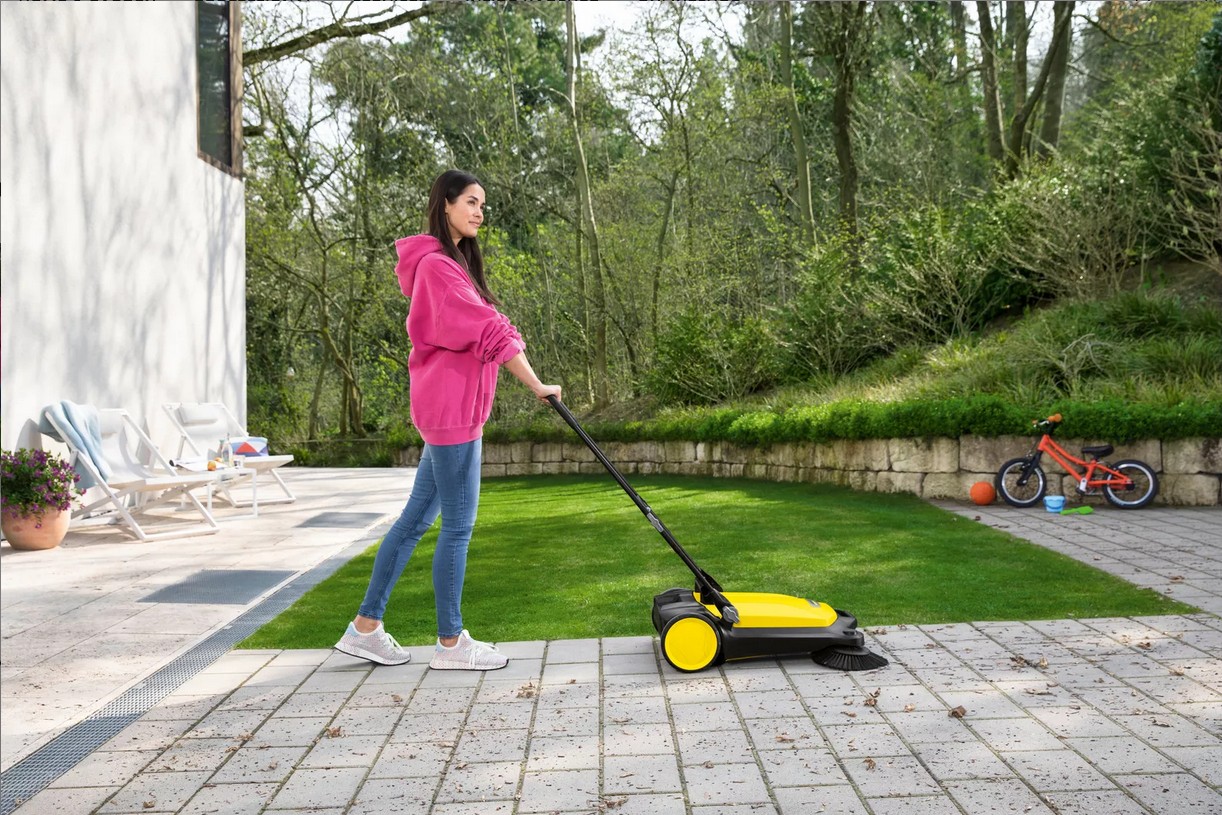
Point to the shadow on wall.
(125, 260)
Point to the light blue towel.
(84, 431)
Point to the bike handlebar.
(1053, 419)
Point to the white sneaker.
(376, 646)
(467, 655)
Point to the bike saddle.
(1099, 451)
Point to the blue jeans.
(447, 484)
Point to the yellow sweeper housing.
(705, 626)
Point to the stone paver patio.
(1118, 715)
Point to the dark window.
(217, 56)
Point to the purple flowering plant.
(34, 481)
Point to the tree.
(1054, 107)
(1009, 142)
(806, 214)
(844, 31)
(342, 28)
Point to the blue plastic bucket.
(1054, 503)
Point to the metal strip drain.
(343, 520)
(219, 587)
(36, 771)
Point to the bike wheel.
(1020, 483)
(1145, 485)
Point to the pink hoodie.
(459, 342)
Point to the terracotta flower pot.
(23, 531)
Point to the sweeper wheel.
(691, 643)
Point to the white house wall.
(121, 251)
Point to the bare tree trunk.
(806, 213)
(1017, 35)
(598, 300)
(844, 36)
(1018, 125)
(958, 24)
(1054, 105)
(962, 76)
(315, 403)
(579, 252)
(992, 97)
(849, 37)
(667, 214)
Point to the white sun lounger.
(131, 487)
(202, 426)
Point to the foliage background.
(1078, 266)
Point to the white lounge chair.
(130, 486)
(203, 426)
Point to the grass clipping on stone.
(561, 557)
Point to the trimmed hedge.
(1112, 421)
(373, 452)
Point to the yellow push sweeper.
(706, 626)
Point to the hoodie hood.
(411, 251)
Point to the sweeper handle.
(710, 590)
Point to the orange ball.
(982, 493)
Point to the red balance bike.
(1128, 484)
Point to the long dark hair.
(446, 189)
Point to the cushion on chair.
(205, 423)
(249, 446)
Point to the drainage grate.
(341, 519)
(33, 773)
(219, 587)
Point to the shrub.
(935, 274)
(1075, 231)
(1194, 358)
(1142, 314)
(340, 452)
(34, 481)
(830, 328)
(703, 357)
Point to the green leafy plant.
(35, 481)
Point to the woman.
(459, 340)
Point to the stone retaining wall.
(1190, 470)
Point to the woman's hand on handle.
(544, 391)
(519, 366)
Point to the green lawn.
(557, 557)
